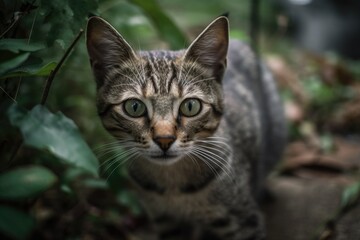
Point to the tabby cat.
(200, 127)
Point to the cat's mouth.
(164, 158)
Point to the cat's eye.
(190, 107)
(134, 108)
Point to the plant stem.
(48, 83)
(57, 68)
(254, 24)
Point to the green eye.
(134, 108)
(190, 107)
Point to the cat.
(200, 127)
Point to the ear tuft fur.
(106, 47)
(209, 49)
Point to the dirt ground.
(305, 197)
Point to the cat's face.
(159, 104)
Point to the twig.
(17, 87)
(57, 68)
(24, 9)
(20, 79)
(254, 24)
(328, 229)
(11, 26)
(8, 95)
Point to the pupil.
(135, 106)
(190, 106)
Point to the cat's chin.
(164, 159)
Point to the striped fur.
(193, 174)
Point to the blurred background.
(49, 189)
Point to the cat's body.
(196, 174)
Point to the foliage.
(70, 15)
(166, 28)
(24, 183)
(54, 133)
(52, 156)
(54, 179)
(350, 196)
(15, 223)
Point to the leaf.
(33, 70)
(350, 195)
(167, 29)
(239, 35)
(56, 133)
(14, 223)
(65, 18)
(128, 199)
(95, 183)
(12, 63)
(26, 182)
(17, 45)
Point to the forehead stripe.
(173, 76)
(150, 72)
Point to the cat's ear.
(106, 48)
(209, 49)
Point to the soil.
(305, 197)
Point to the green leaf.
(14, 223)
(128, 199)
(56, 133)
(350, 195)
(26, 182)
(65, 18)
(167, 29)
(95, 183)
(12, 63)
(327, 142)
(17, 45)
(239, 35)
(33, 70)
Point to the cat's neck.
(184, 176)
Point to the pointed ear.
(106, 48)
(209, 49)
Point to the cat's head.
(159, 104)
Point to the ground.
(307, 194)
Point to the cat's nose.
(164, 142)
(164, 133)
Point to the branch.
(25, 9)
(48, 83)
(254, 24)
(57, 68)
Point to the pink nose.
(164, 142)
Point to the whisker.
(117, 142)
(219, 150)
(117, 156)
(193, 160)
(119, 71)
(114, 148)
(138, 74)
(212, 169)
(122, 163)
(193, 64)
(214, 143)
(193, 82)
(215, 159)
(120, 158)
